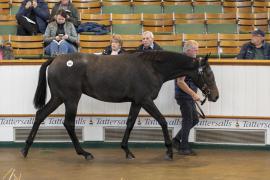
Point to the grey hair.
(148, 32)
(189, 45)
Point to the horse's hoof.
(24, 152)
(130, 156)
(89, 157)
(168, 157)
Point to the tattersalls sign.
(141, 121)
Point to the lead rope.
(200, 112)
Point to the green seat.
(127, 29)
(8, 29)
(184, 9)
(148, 9)
(116, 9)
(190, 28)
(221, 28)
(14, 9)
(208, 9)
(173, 48)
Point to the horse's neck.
(173, 67)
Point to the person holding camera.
(72, 12)
(60, 36)
(32, 17)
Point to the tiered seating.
(261, 6)
(158, 23)
(131, 41)
(170, 42)
(27, 46)
(172, 21)
(5, 6)
(87, 6)
(93, 43)
(8, 24)
(237, 6)
(177, 6)
(248, 22)
(15, 6)
(221, 23)
(127, 23)
(207, 6)
(189, 23)
(147, 6)
(117, 6)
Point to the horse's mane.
(161, 55)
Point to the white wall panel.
(244, 91)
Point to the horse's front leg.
(133, 113)
(69, 123)
(151, 108)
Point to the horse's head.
(205, 80)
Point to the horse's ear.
(207, 56)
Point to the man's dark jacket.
(156, 47)
(248, 51)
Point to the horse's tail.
(41, 91)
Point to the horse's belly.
(109, 95)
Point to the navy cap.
(258, 32)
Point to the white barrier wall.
(244, 91)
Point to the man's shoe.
(176, 144)
(187, 152)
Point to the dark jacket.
(98, 29)
(248, 51)
(41, 13)
(74, 15)
(156, 47)
(108, 50)
(180, 95)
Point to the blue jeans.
(63, 48)
(189, 120)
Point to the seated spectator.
(148, 42)
(60, 36)
(72, 12)
(257, 48)
(32, 17)
(6, 51)
(116, 46)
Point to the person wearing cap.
(257, 48)
(148, 42)
(116, 46)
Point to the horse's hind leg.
(69, 123)
(151, 108)
(133, 113)
(40, 116)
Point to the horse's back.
(109, 78)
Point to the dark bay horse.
(135, 78)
